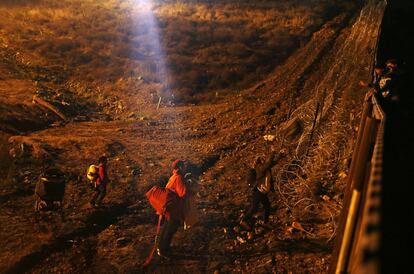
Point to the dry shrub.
(183, 95)
(81, 58)
(123, 51)
(44, 47)
(239, 50)
(103, 36)
(179, 64)
(65, 45)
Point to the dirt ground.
(310, 104)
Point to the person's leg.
(101, 195)
(254, 206)
(266, 206)
(171, 229)
(94, 196)
(161, 238)
(168, 230)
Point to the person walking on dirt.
(260, 178)
(100, 183)
(176, 217)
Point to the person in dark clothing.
(259, 196)
(260, 178)
(375, 84)
(171, 223)
(169, 228)
(100, 183)
(391, 86)
(389, 83)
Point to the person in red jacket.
(100, 183)
(173, 221)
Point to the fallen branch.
(49, 107)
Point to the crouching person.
(100, 183)
(174, 207)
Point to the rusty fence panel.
(365, 256)
(358, 240)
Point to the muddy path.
(220, 141)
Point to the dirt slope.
(220, 140)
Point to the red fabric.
(158, 196)
(176, 184)
(174, 165)
(102, 177)
(167, 203)
(175, 205)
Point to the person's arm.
(261, 169)
(272, 160)
(363, 84)
(180, 188)
(386, 82)
(277, 157)
(272, 182)
(376, 87)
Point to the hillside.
(177, 49)
(284, 68)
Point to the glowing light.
(146, 26)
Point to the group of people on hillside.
(386, 86)
(184, 187)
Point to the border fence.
(358, 239)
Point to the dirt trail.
(220, 140)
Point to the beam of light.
(146, 24)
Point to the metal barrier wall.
(358, 240)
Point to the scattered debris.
(269, 138)
(342, 175)
(326, 198)
(241, 240)
(49, 106)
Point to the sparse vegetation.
(204, 47)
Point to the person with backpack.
(175, 209)
(100, 183)
(92, 174)
(260, 179)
